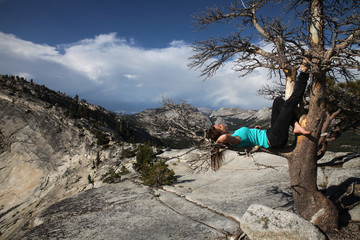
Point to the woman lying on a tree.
(282, 117)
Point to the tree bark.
(290, 75)
(309, 202)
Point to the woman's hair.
(217, 156)
(213, 133)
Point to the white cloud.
(10, 44)
(132, 76)
(177, 43)
(115, 73)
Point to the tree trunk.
(309, 202)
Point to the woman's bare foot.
(298, 129)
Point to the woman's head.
(215, 131)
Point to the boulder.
(261, 222)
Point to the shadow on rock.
(339, 161)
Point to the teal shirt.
(251, 137)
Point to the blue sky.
(122, 55)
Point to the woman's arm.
(227, 138)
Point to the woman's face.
(223, 128)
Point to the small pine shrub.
(144, 157)
(101, 138)
(111, 176)
(90, 180)
(128, 153)
(124, 170)
(81, 112)
(97, 161)
(152, 173)
(157, 175)
(81, 132)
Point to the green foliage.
(144, 157)
(90, 180)
(82, 112)
(97, 161)
(342, 94)
(125, 130)
(347, 142)
(124, 170)
(153, 173)
(77, 110)
(157, 175)
(101, 138)
(114, 177)
(81, 132)
(111, 176)
(127, 153)
(351, 87)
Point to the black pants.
(283, 113)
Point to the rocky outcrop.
(46, 155)
(261, 222)
(200, 206)
(206, 205)
(38, 165)
(126, 211)
(339, 178)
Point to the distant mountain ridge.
(171, 128)
(162, 126)
(177, 127)
(237, 117)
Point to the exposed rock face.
(200, 206)
(121, 211)
(45, 156)
(41, 158)
(207, 205)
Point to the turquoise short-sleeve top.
(251, 137)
